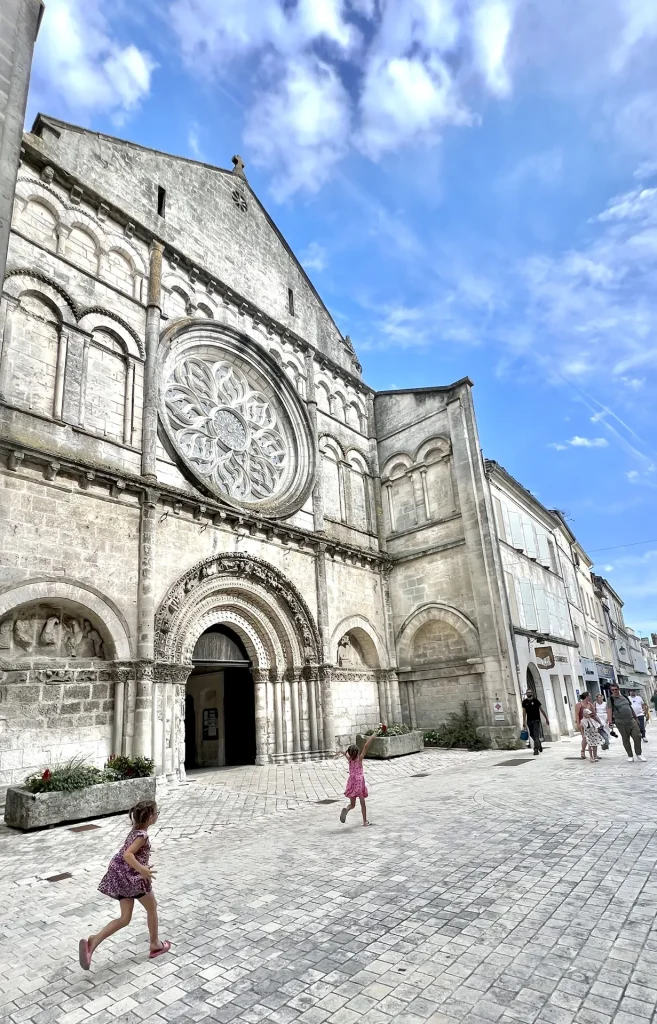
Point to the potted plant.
(391, 741)
(74, 790)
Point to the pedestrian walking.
(637, 707)
(601, 715)
(653, 700)
(129, 878)
(621, 713)
(532, 709)
(578, 724)
(589, 726)
(356, 788)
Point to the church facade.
(219, 545)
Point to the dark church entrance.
(219, 703)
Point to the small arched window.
(105, 386)
(120, 271)
(177, 304)
(32, 354)
(81, 250)
(40, 223)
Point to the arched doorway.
(219, 702)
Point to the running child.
(129, 878)
(356, 786)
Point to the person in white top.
(601, 715)
(637, 708)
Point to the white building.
(533, 562)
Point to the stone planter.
(27, 810)
(393, 746)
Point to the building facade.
(539, 582)
(220, 545)
(19, 25)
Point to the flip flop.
(84, 955)
(343, 815)
(166, 946)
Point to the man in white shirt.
(637, 708)
(601, 715)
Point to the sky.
(471, 185)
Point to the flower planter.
(27, 810)
(393, 746)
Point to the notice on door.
(210, 724)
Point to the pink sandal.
(84, 954)
(166, 946)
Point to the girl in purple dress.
(356, 786)
(128, 878)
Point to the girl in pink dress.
(356, 785)
(128, 878)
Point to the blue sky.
(471, 185)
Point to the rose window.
(229, 432)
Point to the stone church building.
(218, 544)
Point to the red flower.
(384, 728)
(46, 775)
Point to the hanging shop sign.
(605, 671)
(589, 670)
(544, 657)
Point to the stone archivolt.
(241, 583)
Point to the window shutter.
(527, 604)
(517, 536)
(542, 609)
(513, 602)
(499, 518)
(530, 538)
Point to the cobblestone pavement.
(485, 891)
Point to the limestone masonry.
(219, 545)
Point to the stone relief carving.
(251, 568)
(226, 429)
(45, 631)
(349, 653)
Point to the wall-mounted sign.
(544, 657)
(588, 669)
(605, 671)
(498, 710)
(210, 724)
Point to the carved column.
(304, 714)
(425, 493)
(391, 507)
(346, 500)
(143, 709)
(383, 704)
(83, 380)
(153, 315)
(294, 707)
(7, 307)
(410, 689)
(146, 615)
(318, 504)
(394, 698)
(120, 674)
(128, 402)
(60, 374)
(311, 687)
(278, 715)
(327, 708)
(260, 681)
(157, 698)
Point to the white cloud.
(407, 98)
(588, 442)
(314, 257)
(81, 67)
(633, 475)
(544, 168)
(492, 25)
(193, 142)
(647, 169)
(637, 204)
(300, 126)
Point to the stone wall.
(19, 20)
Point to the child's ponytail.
(142, 813)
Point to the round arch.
(368, 638)
(275, 623)
(79, 595)
(438, 612)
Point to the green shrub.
(431, 738)
(388, 730)
(118, 766)
(77, 774)
(65, 777)
(459, 731)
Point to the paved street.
(481, 893)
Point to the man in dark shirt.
(621, 713)
(532, 709)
